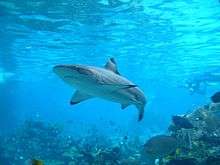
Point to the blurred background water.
(158, 44)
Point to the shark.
(102, 82)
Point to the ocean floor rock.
(160, 146)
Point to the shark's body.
(105, 83)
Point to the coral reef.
(203, 141)
(199, 144)
(192, 139)
(47, 142)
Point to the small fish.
(216, 97)
(36, 162)
(182, 122)
(160, 146)
(125, 137)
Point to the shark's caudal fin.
(140, 112)
(78, 97)
(112, 66)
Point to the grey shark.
(106, 83)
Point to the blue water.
(158, 44)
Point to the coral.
(198, 144)
(47, 142)
(201, 142)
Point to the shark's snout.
(71, 69)
(73, 73)
(65, 69)
(58, 68)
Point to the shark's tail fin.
(140, 112)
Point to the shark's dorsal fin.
(112, 66)
(78, 97)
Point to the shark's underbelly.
(120, 95)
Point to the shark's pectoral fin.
(112, 66)
(140, 112)
(78, 97)
(123, 106)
